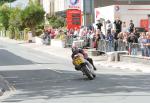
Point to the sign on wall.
(144, 23)
(73, 18)
(74, 4)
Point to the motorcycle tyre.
(87, 72)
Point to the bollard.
(30, 37)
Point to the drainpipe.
(92, 10)
(84, 12)
(149, 22)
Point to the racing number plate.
(78, 61)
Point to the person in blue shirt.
(110, 39)
(142, 41)
(148, 44)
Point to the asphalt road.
(42, 78)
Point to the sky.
(21, 3)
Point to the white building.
(137, 13)
(48, 6)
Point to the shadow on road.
(49, 84)
(7, 58)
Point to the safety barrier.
(69, 41)
(120, 45)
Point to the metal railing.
(19, 36)
(120, 45)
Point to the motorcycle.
(83, 65)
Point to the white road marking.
(55, 70)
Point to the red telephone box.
(73, 18)
(144, 23)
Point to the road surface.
(42, 78)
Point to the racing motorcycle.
(84, 66)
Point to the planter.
(38, 40)
(57, 43)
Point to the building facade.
(59, 7)
(102, 3)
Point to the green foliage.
(5, 1)
(32, 16)
(11, 32)
(39, 32)
(41, 26)
(56, 21)
(15, 18)
(15, 24)
(5, 16)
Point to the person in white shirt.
(109, 27)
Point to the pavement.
(99, 61)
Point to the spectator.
(102, 36)
(76, 33)
(89, 33)
(118, 25)
(142, 41)
(133, 46)
(132, 38)
(148, 43)
(97, 38)
(125, 36)
(124, 27)
(46, 37)
(108, 26)
(81, 32)
(52, 34)
(99, 25)
(92, 38)
(110, 39)
(120, 42)
(136, 33)
(115, 35)
(131, 26)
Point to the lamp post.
(92, 10)
(149, 22)
(84, 12)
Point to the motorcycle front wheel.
(88, 73)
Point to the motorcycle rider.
(76, 50)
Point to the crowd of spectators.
(118, 37)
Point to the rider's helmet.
(77, 50)
(74, 49)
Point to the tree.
(15, 18)
(15, 23)
(5, 1)
(4, 16)
(56, 21)
(32, 16)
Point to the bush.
(5, 16)
(56, 21)
(38, 32)
(32, 16)
(11, 32)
